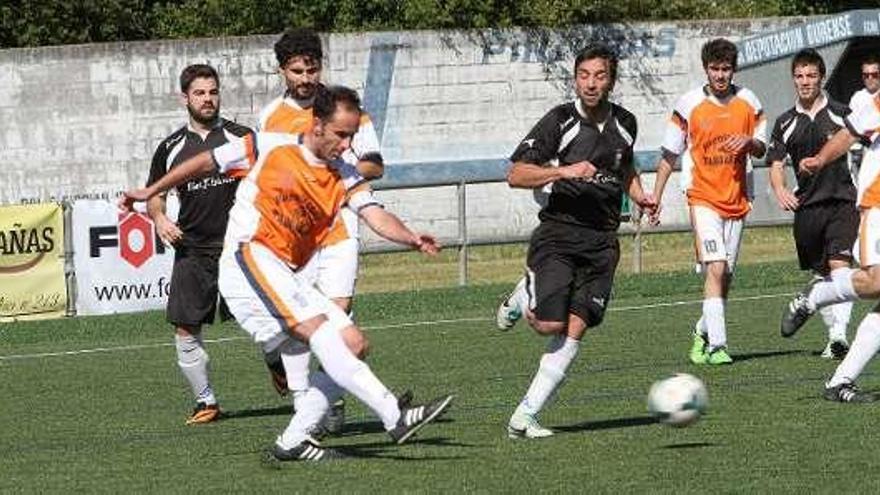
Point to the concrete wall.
(84, 120)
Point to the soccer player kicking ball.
(291, 190)
(713, 129)
(574, 251)
(848, 284)
(826, 221)
(334, 266)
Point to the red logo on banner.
(135, 238)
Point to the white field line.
(98, 350)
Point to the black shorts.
(825, 231)
(573, 271)
(192, 300)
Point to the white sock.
(837, 289)
(828, 317)
(520, 297)
(700, 327)
(842, 315)
(561, 351)
(713, 316)
(864, 346)
(311, 407)
(193, 362)
(353, 374)
(295, 356)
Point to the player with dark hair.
(585, 150)
(826, 221)
(333, 268)
(292, 187)
(714, 129)
(198, 234)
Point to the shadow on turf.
(689, 445)
(607, 424)
(254, 413)
(748, 356)
(376, 450)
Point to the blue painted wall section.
(380, 72)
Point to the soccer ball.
(678, 400)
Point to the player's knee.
(356, 341)
(548, 327)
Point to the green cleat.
(718, 357)
(698, 349)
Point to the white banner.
(121, 265)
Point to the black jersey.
(797, 136)
(565, 136)
(204, 202)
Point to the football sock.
(828, 317)
(713, 316)
(353, 374)
(837, 289)
(310, 409)
(193, 362)
(561, 351)
(864, 346)
(295, 355)
(700, 327)
(520, 296)
(842, 314)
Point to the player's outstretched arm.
(197, 166)
(390, 227)
(833, 149)
(786, 199)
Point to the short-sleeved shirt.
(204, 202)
(288, 199)
(286, 114)
(699, 125)
(564, 136)
(797, 135)
(864, 123)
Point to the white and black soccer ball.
(678, 400)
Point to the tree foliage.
(53, 22)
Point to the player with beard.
(333, 268)
(197, 236)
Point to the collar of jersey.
(823, 103)
(734, 89)
(583, 113)
(218, 123)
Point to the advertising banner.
(32, 261)
(120, 263)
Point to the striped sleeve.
(864, 122)
(675, 135)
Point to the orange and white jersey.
(286, 114)
(287, 199)
(699, 126)
(864, 122)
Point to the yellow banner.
(32, 262)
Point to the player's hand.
(579, 170)
(810, 165)
(168, 231)
(786, 199)
(649, 204)
(737, 143)
(129, 198)
(427, 244)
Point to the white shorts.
(267, 297)
(333, 269)
(715, 238)
(868, 243)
